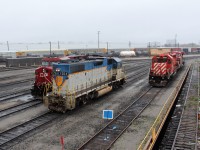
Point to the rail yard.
(145, 116)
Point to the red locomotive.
(164, 67)
(43, 74)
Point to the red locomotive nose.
(160, 68)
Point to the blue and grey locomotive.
(78, 82)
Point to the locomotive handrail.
(151, 136)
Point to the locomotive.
(75, 84)
(164, 67)
(43, 74)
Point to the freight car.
(164, 67)
(75, 84)
(127, 54)
(43, 74)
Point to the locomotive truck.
(43, 74)
(75, 84)
(164, 67)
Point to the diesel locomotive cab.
(76, 83)
(43, 74)
(161, 70)
(164, 67)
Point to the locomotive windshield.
(161, 59)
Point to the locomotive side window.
(115, 65)
(98, 63)
(109, 61)
(119, 65)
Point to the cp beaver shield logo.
(59, 80)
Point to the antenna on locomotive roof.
(8, 46)
(58, 45)
(107, 47)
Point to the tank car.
(43, 74)
(127, 53)
(75, 84)
(164, 67)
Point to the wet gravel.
(79, 125)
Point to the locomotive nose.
(44, 70)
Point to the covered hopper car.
(164, 67)
(75, 84)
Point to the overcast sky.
(118, 21)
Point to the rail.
(7, 137)
(19, 107)
(188, 123)
(151, 136)
(118, 125)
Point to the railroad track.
(4, 78)
(137, 75)
(134, 61)
(130, 69)
(8, 137)
(19, 107)
(13, 94)
(186, 135)
(15, 68)
(16, 82)
(106, 137)
(170, 133)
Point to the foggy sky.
(118, 21)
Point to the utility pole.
(149, 46)
(8, 46)
(98, 39)
(175, 39)
(50, 47)
(107, 47)
(58, 45)
(129, 44)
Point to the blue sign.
(107, 114)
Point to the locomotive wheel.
(84, 99)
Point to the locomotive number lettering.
(60, 73)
